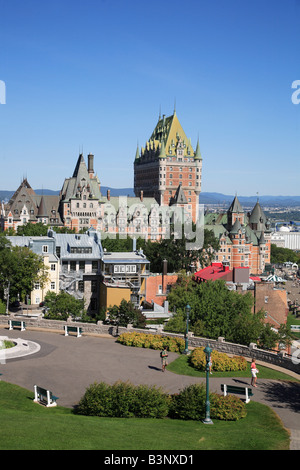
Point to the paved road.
(68, 365)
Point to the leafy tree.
(61, 306)
(175, 252)
(172, 249)
(21, 268)
(126, 313)
(268, 337)
(215, 310)
(32, 230)
(283, 255)
(176, 324)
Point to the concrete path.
(68, 365)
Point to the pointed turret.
(162, 153)
(42, 211)
(198, 153)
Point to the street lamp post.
(7, 298)
(188, 309)
(207, 419)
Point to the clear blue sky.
(93, 74)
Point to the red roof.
(219, 271)
(212, 272)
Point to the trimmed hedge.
(221, 362)
(148, 340)
(124, 400)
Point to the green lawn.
(26, 425)
(181, 366)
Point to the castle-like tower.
(168, 168)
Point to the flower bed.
(151, 341)
(221, 362)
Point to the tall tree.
(216, 309)
(20, 268)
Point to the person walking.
(210, 365)
(254, 371)
(164, 359)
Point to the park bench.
(13, 323)
(238, 390)
(44, 396)
(73, 329)
(295, 327)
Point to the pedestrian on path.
(164, 359)
(254, 371)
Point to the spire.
(236, 206)
(162, 153)
(198, 153)
(42, 212)
(137, 153)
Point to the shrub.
(229, 408)
(150, 402)
(147, 340)
(221, 362)
(123, 400)
(97, 401)
(2, 308)
(189, 403)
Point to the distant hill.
(219, 198)
(204, 198)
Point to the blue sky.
(94, 74)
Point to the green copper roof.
(198, 153)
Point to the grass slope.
(26, 425)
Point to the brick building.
(168, 169)
(244, 238)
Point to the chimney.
(142, 196)
(164, 273)
(91, 164)
(108, 194)
(134, 244)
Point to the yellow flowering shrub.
(152, 341)
(221, 362)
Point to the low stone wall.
(278, 359)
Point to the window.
(52, 287)
(53, 267)
(72, 265)
(81, 286)
(82, 265)
(45, 248)
(37, 286)
(94, 266)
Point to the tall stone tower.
(168, 168)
